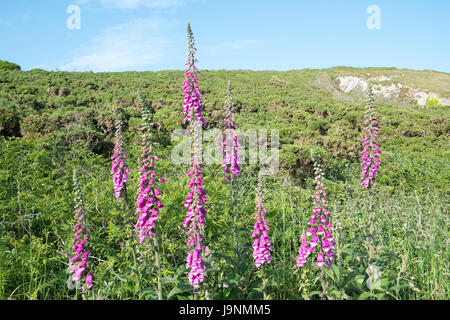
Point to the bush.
(9, 123)
(36, 125)
(432, 102)
(8, 66)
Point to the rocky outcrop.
(391, 91)
(348, 84)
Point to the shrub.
(8, 66)
(9, 123)
(432, 102)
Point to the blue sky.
(122, 35)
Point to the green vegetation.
(432, 102)
(52, 122)
(6, 65)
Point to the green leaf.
(359, 279)
(173, 292)
(365, 295)
(182, 288)
(336, 272)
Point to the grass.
(52, 122)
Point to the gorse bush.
(79, 142)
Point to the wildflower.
(196, 199)
(373, 281)
(230, 144)
(119, 169)
(192, 105)
(148, 203)
(319, 233)
(261, 243)
(79, 262)
(370, 160)
(89, 281)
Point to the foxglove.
(319, 233)
(79, 261)
(261, 243)
(230, 142)
(148, 203)
(119, 169)
(196, 212)
(371, 148)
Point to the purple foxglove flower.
(231, 161)
(196, 213)
(319, 261)
(89, 281)
(262, 245)
(80, 240)
(319, 234)
(370, 160)
(119, 169)
(148, 192)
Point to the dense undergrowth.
(52, 122)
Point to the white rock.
(444, 101)
(347, 84)
(350, 83)
(387, 91)
(421, 97)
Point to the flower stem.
(136, 267)
(264, 283)
(157, 264)
(371, 225)
(125, 196)
(236, 231)
(324, 283)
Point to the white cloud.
(134, 45)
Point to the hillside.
(51, 122)
(307, 106)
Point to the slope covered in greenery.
(52, 122)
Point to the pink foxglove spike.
(319, 234)
(148, 203)
(370, 161)
(261, 243)
(196, 199)
(230, 144)
(119, 169)
(79, 262)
